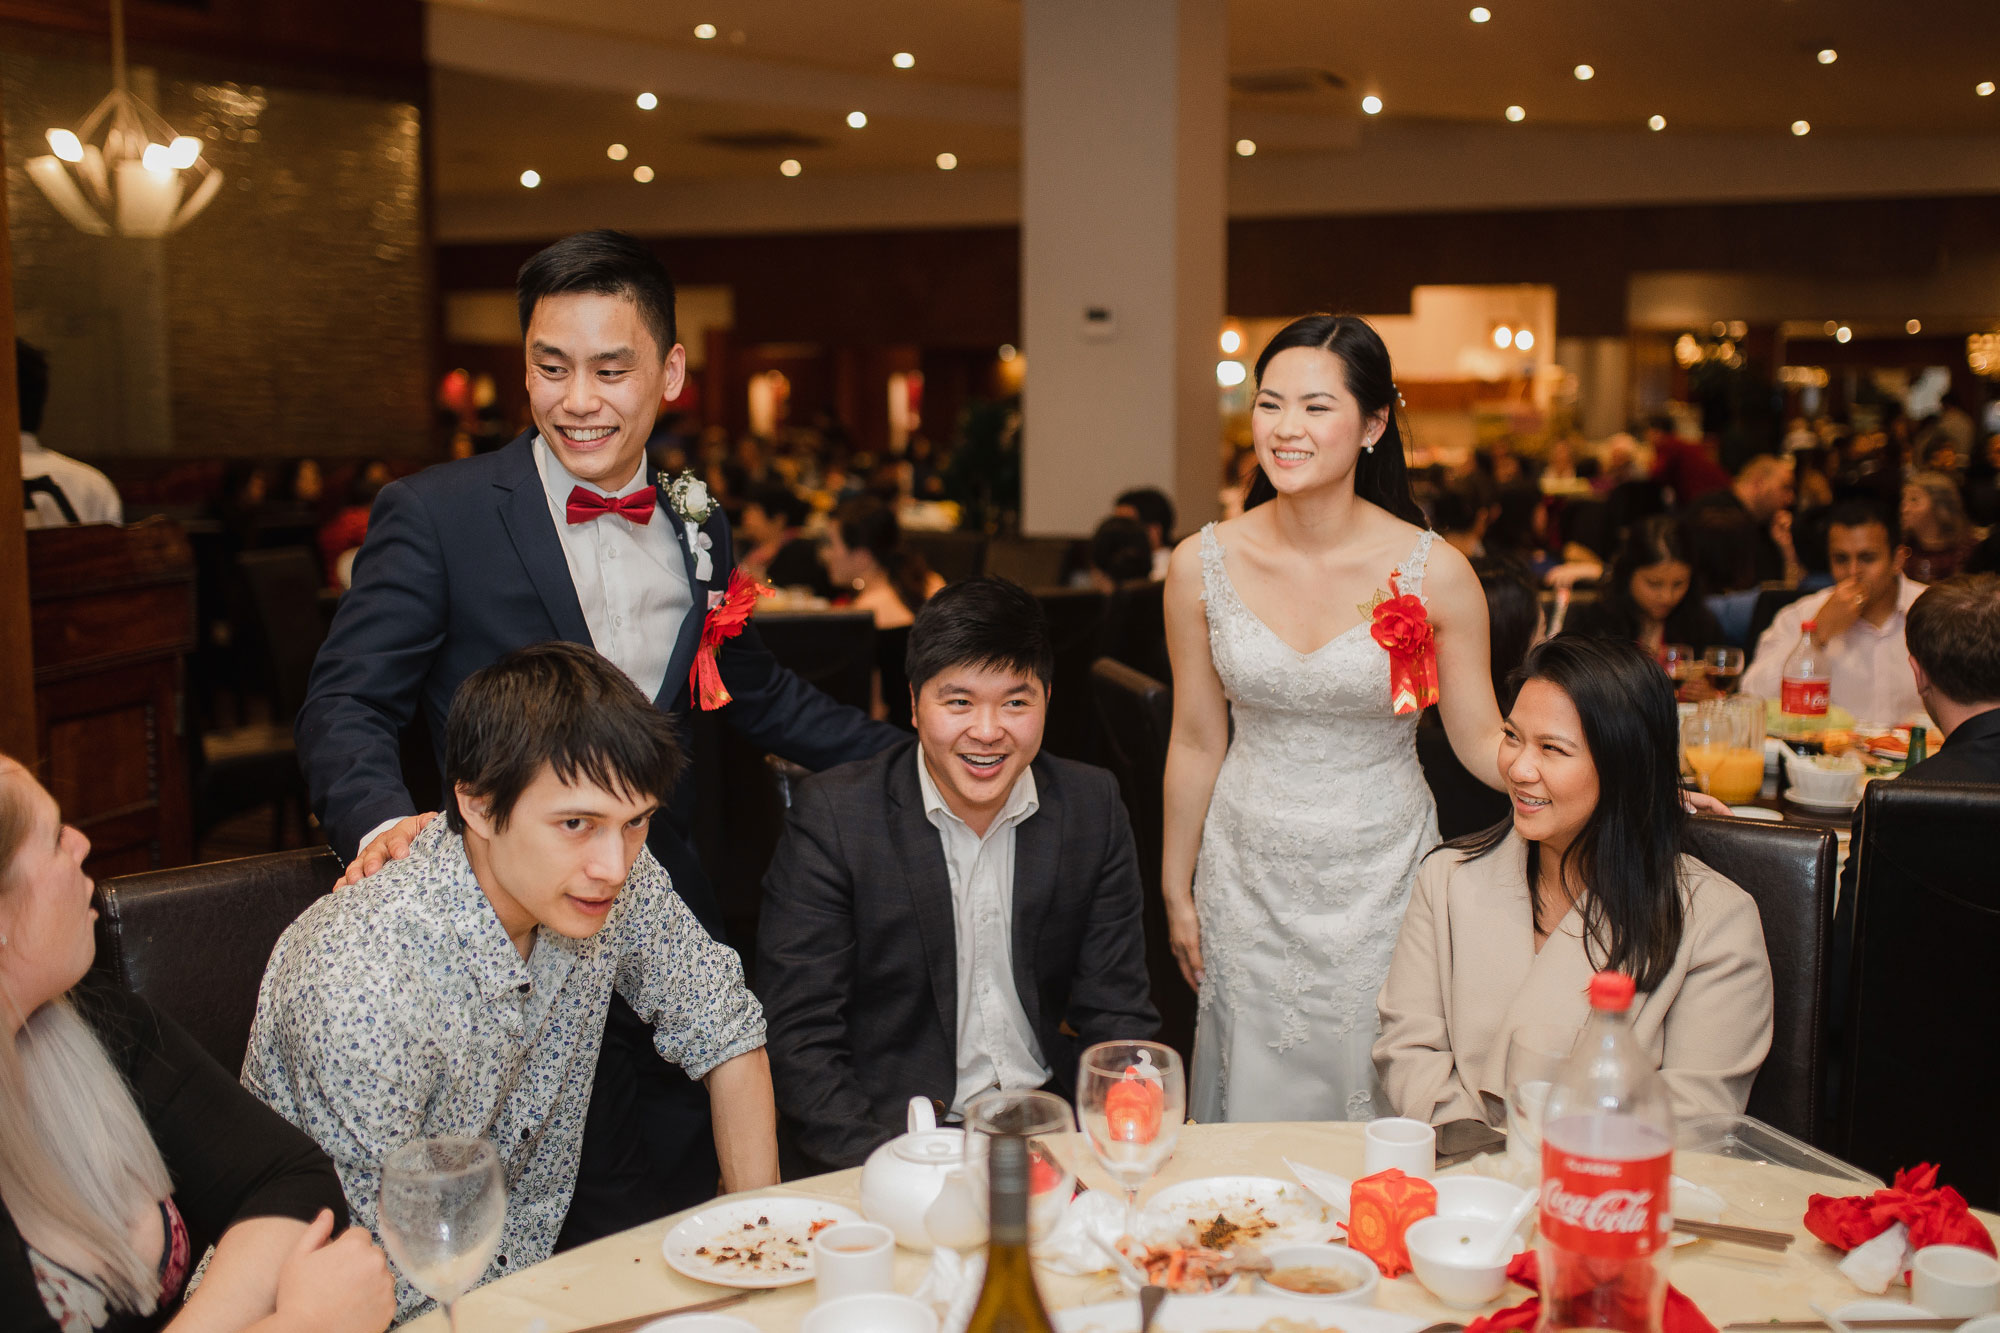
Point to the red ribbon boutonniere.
(725, 621)
(1404, 630)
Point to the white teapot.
(915, 1185)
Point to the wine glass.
(443, 1202)
(1044, 1120)
(1724, 666)
(1536, 1053)
(1680, 663)
(1707, 736)
(1131, 1097)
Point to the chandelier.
(124, 170)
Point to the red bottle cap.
(1611, 990)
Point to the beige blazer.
(1465, 975)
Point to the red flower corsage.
(1403, 629)
(726, 619)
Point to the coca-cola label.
(1605, 1207)
(1803, 698)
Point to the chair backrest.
(951, 555)
(1918, 1072)
(1791, 872)
(194, 941)
(1032, 562)
(1074, 615)
(1135, 713)
(834, 650)
(284, 584)
(1134, 628)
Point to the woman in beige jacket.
(1504, 928)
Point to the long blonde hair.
(77, 1164)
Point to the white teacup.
(1955, 1281)
(882, 1312)
(1398, 1141)
(853, 1259)
(1836, 783)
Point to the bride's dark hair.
(1381, 476)
(1628, 854)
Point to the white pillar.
(1124, 131)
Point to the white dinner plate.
(1756, 812)
(763, 1242)
(1237, 1314)
(1273, 1211)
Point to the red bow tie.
(584, 505)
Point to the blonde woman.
(1935, 527)
(125, 1151)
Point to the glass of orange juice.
(1725, 750)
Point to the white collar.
(559, 481)
(1022, 801)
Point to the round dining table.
(624, 1275)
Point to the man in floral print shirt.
(462, 990)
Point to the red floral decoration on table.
(1680, 1316)
(1935, 1216)
(1403, 628)
(724, 623)
(1133, 1107)
(1380, 1210)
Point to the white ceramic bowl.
(1439, 1249)
(1477, 1196)
(1325, 1256)
(700, 1323)
(878, 1312)
(1838, 785)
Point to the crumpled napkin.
(1681, 1314)
(1928, 1214)
(1068, 1249)
(951, 1287)
(1874, 1264)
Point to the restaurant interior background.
(1564, 216)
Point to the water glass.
(1535, 1055)
(1131, 1098)
(443, 1203)
(1044, 1120)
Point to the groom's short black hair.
(607, 263)
(982, 622)
(562, 705)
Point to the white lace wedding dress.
(1319, 817)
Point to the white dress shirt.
(1868, 666)
(89, 492)
(996, 1047)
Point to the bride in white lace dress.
(1291, 846)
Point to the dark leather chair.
(1791, 872)
(194, 941)
(1918, 1075)
(1134, 628)
(951, 555)
(1032, 562)
(1073, 615)
(1136, 713)
(833, 650)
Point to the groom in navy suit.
(563, 534)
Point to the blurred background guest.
(1935, 527)
(776, 548)
(1650, 597)
(1744, 533)
(865, 553)
(58, 489)
(1515, 624)
(1151, 507)
(1120, 552)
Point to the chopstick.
(637, 1321)
(1753, 1236)
(1808, 1325)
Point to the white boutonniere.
(687, 495)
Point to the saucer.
(1792, 795)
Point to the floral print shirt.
(398, 1009)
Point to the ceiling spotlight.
(1524, 341)
(902, 60)
(705, 31)
(1229, 374)
(1371, 104)
(1802, 128)
(1842, 334)
(643, 175)
(616, 152)
(1914, 326)
(1656, 122)
(1503, 337)
(1008, 352)
(857, 120)
(1481, 14)
(790, 167)
(1828, 55)
(1232, 341)
(1585, 73)
(1246, 148)
(1516, 114)
(947, 161)
(647, 101)
(1985, 89)
(530, 179)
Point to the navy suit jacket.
(461, 566)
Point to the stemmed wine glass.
(443, 1202)
(1131, 1097)
(1535, 1055)
(1044, 1120)
(1724, 666)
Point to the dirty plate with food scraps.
(1234, 1314)
(765, 1242)
(1222, 1212)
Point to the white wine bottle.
(1008, 1300)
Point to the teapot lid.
(931, 1147)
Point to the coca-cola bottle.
(1803, 694)
(1607, 1162)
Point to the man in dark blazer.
(563, 534)
(954, 915)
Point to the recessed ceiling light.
(1371, 104)
(616, 152)
(1656, 123)
(642, 174)
(1828, 327)
(647, 101)
(1802, 128)
(947, 161)
(1842, 334)
(531, 178)
(857, 120)
(1008, 351)
(705, 31)
(1828, 55)
(1246, 148)
(1232, 341)
(1585, 73)
(1516, 114)
(1524, 340)
(790, 167)
(1985, 89)
(1914, 326)
(902, 60)
(1481, 14)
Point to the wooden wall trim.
(17, 667)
